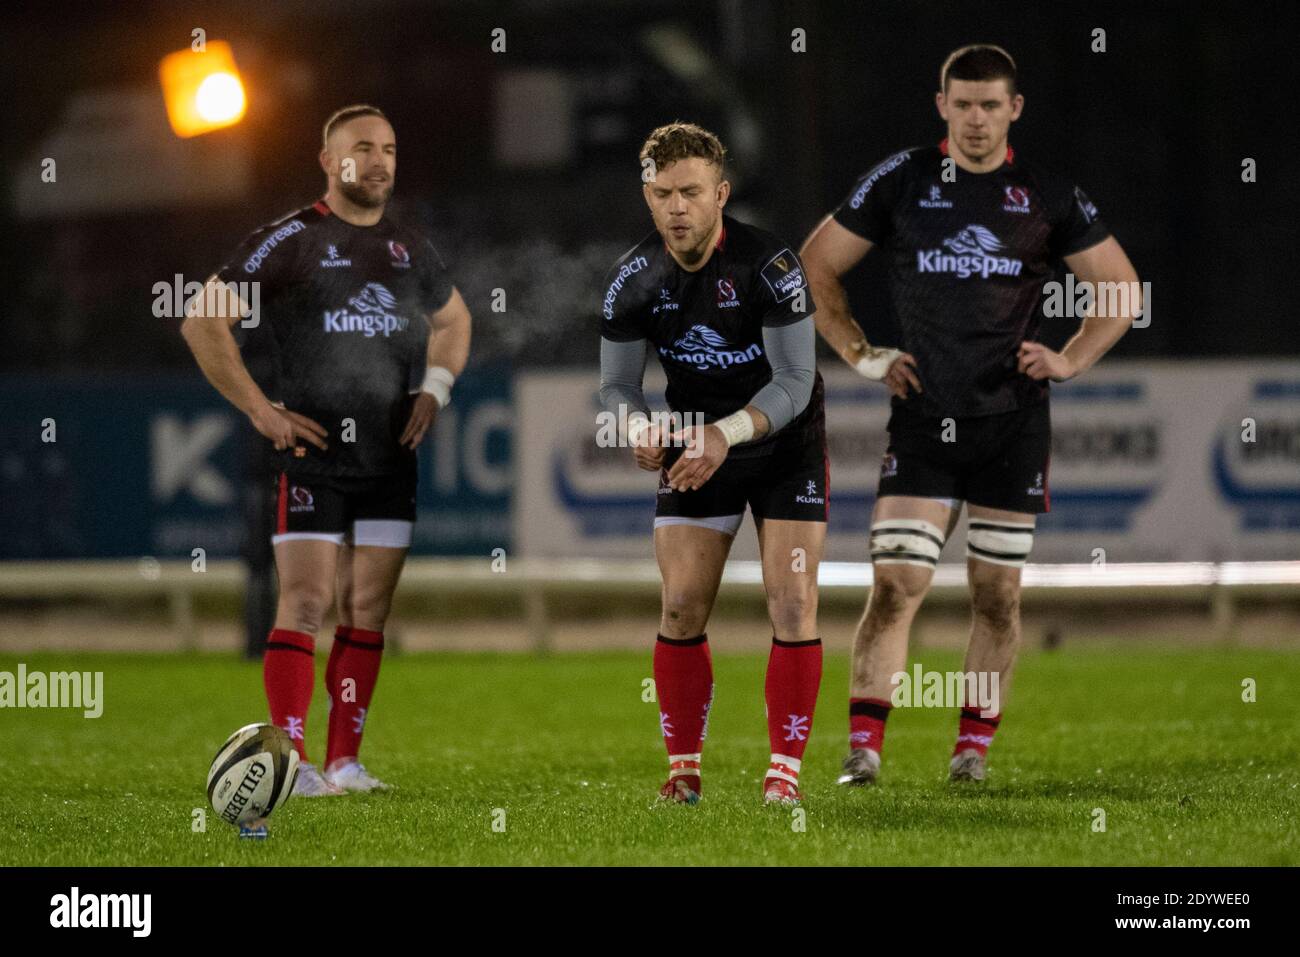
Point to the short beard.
(357, 194)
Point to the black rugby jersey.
(968, 260)
(707, 326)
(346, 310)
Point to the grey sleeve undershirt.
(791, 351)
(622, 367)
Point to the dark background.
(1155, 130)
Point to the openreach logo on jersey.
(368, 313)
(57, 689)
(888, 166)
(946, 689)
(75, 909)
(972, 253)
(625, 272)
(254, 262)
(702, 346)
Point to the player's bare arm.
(829, 253)
(217, 354)
(446, 355)
(1101, 264)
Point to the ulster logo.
(1017, 200)
(401, 258)
(727, 298)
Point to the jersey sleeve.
(1077, 224)
(436, 286)
(622, 319)
(868, 210)
(782, 289)
(266, 257)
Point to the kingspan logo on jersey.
(702, 346)
(972, 254)
(368, 313)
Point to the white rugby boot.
(311, 783)
(349, 774)
(861, 767)
(967, 765)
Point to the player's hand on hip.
(423, 414)
(1039, 362)
(894, 368)
(285, 428)
(648, 449)
(706, 449)
(902, 375)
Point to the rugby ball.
(252, 774)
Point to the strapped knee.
(906, 541)
(1002, 543)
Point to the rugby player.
(354, 303)
(726, 309)
(969, 423)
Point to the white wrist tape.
(437, 382)
(737, 427)
(637, 424)
(875, 364)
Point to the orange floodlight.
(203, 90)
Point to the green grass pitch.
(1185, 771)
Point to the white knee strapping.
(1002, 543)
(906, 541)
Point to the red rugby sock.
(794, 673)
(975, 732)
(350, 680)
(867, 718)
(288, 673)
(684, 686)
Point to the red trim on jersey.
(282, 506)
(321, 207)
(720, 245)
(826, 485)
(943, 148)
(1047, 485)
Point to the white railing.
(1217, 587)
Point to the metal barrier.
(1218, 587)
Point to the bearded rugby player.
(354, 301)
(725, 307)
(969, 253)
